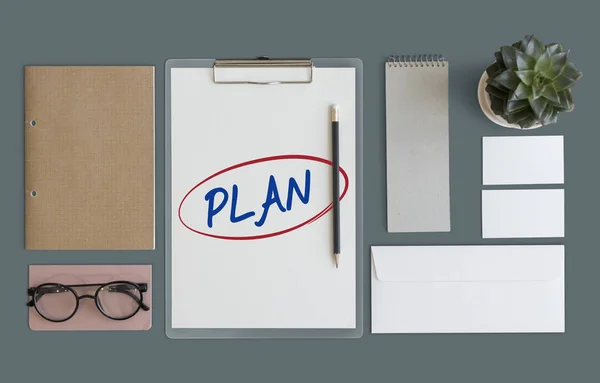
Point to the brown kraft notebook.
(89, 157)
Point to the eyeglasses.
(118, 300)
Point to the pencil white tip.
(337, 260)
(335, 107)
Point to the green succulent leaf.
(565, 103)
(492, 82)
(524, 61)
(569, 76)
(517, 105)
(513, 118)
(552, 119)
(537, 92)
(571, 70)
(526, 76)
(543, 63)
(554, 48)
(532, 47)
(546, 114)
(549, 93)
(509, 56)
(508, 79)
(498, 86)
(558, 63)
(528, 122)
(523, 92)
(499, 59)
(494, 70)
(563, 82)
(493, 91)
(497, 105)
(538, 106)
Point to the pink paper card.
(88, 317)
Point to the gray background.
(149, 32)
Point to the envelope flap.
(467, 263)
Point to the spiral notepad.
(418, 190)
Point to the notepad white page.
(523, 160)
(242, 135)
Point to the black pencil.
(335, 135)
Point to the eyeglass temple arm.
(120, 288)
(30, 292)
(125, 289)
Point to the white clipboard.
(248, 207)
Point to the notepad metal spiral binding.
(419, 60)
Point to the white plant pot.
(486, 106)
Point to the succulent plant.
(530, 82)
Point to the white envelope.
(467, 289)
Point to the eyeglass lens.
(55, 302)
(119, 300)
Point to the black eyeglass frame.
(141, 287)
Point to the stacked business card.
(531, 212)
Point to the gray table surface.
(149, 32)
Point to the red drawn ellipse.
(256, 161)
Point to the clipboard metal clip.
(264, 62)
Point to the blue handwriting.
(272, 198)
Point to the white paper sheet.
(523, 160)
(465, 289)
(281, 281)
(522, 213)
